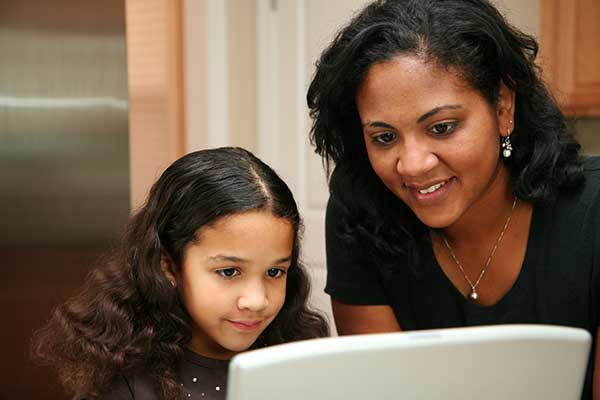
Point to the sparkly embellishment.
(202, 394)
(218, 388)
(189, 395)
(194, 379)
(474, 296)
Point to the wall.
(241, 31)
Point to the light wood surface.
(156, 92)
(570, 54)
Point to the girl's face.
(433, 140)
(233, 280)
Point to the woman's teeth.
(432, 188)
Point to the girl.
(208, 268)
(458, 196)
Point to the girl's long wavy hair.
(128, 319)
(469, 36)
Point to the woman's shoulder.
(589, 186)
(591, 172)
(580, 202)
(591, 166)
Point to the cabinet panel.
(570, 54)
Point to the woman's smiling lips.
(245, 325)
(430, 192)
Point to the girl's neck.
(200, 346)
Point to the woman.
(458, 196)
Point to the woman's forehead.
(411, 82)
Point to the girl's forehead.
(251, 238)
(244, 220)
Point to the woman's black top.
(559, 281)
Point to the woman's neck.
(487, 214)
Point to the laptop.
(490, 362)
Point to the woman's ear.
(505, 109)
(166, 265)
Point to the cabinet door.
(570, 54)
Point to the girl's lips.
(245, 325)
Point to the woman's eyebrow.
(436, 110)
(378, 124)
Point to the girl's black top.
(200, 378)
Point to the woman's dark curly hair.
(468, 36)
(128, 319)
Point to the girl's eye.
(443, 129)
(228, 272)
(275, 272)
(384, 138)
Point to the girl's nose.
(254, 297)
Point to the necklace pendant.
(474, 295)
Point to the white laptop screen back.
(492, 362)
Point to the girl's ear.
(505, 109)
(166, 265)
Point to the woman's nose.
(415, 159)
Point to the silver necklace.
(474, 295)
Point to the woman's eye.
(275, 272)
(228, 272)
(445, 128)
(384, 138)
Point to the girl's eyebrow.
(221, 258)
(282, 260)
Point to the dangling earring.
(506, 144)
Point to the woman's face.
(433, 140)
(233, 280)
